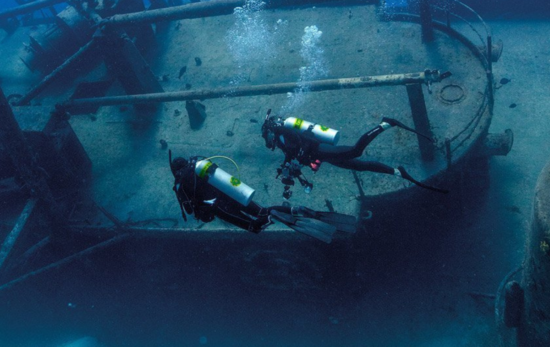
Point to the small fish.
(252, 120)
(513, 105)
(182, 71)
(513, 209)
(505, 80)
(198, 61)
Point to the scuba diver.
(206, 191)
(308, 144)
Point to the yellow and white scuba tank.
(321, 133)
(229, 185)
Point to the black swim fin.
(308, 226)
(342, 222)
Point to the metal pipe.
(36, 5)
(67, 260)
(196, 10)
(265, 89)
(497, 144)
(12, 237)
(46, 81)
(192, 10)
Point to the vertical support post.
(490, 72)
(421, 121)
(448, 153)
(426, 21)
(490, 53)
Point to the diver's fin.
(309, 226)
(314, 228)
(342, 222)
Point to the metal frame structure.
(412, 82)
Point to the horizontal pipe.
(265, 89)
(204, 9)
(192, 10)
(497, 144)
(27, 8)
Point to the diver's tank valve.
(321, 133)
(227, 184)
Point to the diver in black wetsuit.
(197, 196)
(305, 149)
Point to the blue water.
(409, 291)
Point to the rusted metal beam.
(49, 79)
(53, 266)
(428, 76)
(188, 11)
(13, 236)
(201, 10)
(27, 8)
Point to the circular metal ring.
(452, 94)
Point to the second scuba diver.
(206, 191)
(308, 144)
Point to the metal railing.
(443, 12)
(468, 25)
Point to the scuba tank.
(320, 132)
(229, 185)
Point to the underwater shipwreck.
(94, 94)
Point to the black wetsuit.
(307, 150)
(196, 196)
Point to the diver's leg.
(257, 216)
(344, 153)
(363, 165)
(373, 166)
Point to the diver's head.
(268, 133)
(177, 164)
